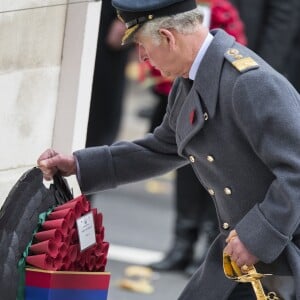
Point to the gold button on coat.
(225, 225)
(227, 191)
(211, 192)
(210, 158)
(192, 158)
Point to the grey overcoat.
(239, 127)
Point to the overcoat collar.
(200, 98)
(208, 76)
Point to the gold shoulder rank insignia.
(241, 63)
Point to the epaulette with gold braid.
(240, 62)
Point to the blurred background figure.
(109, 80)
(194, 209)
(273, 31)
(293, 61)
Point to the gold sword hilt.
(247, 274)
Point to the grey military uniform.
(239, 127)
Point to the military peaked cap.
(135, 13)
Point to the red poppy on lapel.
(192, 116)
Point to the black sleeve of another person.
(270, 27)
(108, 85)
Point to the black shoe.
(177, 259)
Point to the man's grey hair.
(184, 23)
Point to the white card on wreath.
(86, 231)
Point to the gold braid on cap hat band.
(128, 32)
(133, 25)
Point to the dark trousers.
(195, 211)
(108, 85)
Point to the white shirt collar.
(200, 55)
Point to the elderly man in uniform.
(236, 121)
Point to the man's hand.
(238, 252)
(115, 34)
(50, 162)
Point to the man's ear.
(168, 36)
